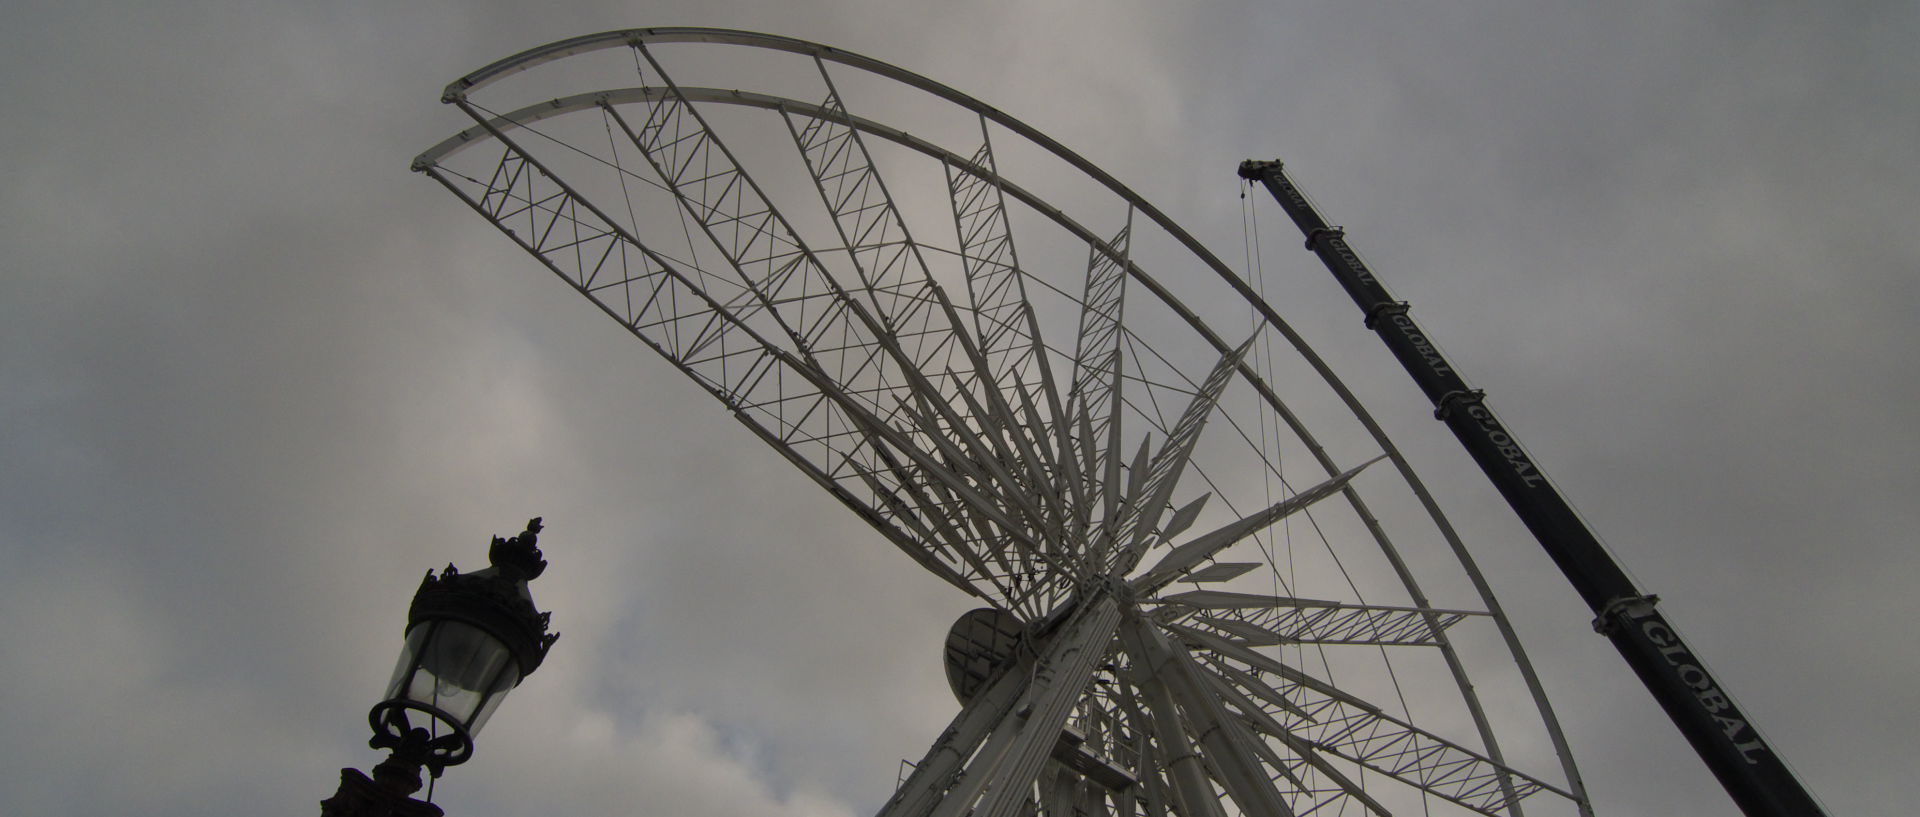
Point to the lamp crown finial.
(519, 556)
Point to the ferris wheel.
(1209, 584)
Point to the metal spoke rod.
(1725, 738)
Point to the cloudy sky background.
(258, 378)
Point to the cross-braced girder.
(1257, 620)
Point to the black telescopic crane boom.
(1724, 737)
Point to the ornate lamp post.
(471, 638)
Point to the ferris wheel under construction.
(1209, 582)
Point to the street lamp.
(471, 638)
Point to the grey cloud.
(259, 377)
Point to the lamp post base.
(361, 796)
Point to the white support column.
(1228, 743)
(1193, 796)
(943, 761)
(1025, 738)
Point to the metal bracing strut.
(1725, 738)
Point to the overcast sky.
(258, 378)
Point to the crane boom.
(1752, 773)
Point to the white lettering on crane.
(1704, 690)
(1420, 343)
(1352, 260)
(1503, 442)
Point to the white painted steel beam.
(1229, 745)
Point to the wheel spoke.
(1140, 516)
(1094, 400)
(1192, 553)
(1256, 621)
(1323, 716)
(1004, 319)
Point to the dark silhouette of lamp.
(471, 638)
